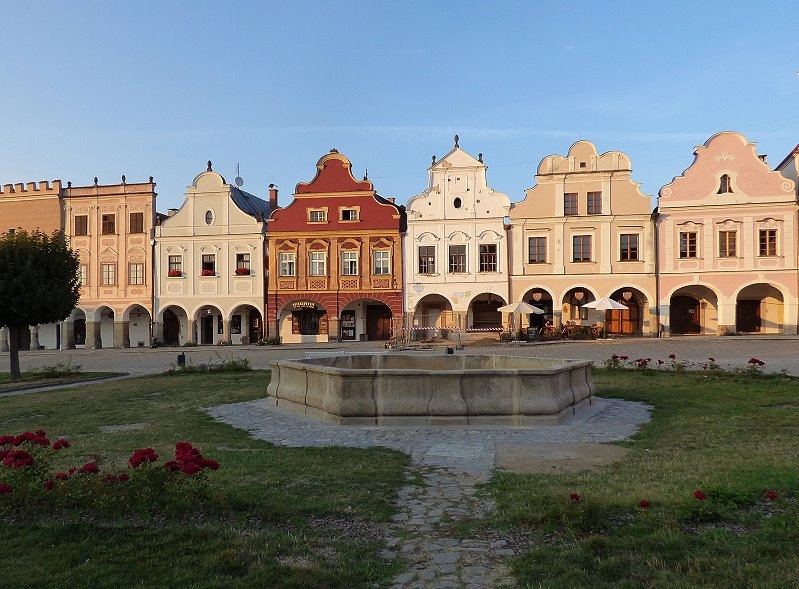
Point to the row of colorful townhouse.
(718, 255)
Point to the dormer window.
(349, 214)
(317, 216)
(725, 185)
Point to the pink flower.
(624, 357)
(699, 495)
(123, 477)
(574, 497)
(4, 488)
(771, 495)
(190, 468)
(142, 455)
(643, 504)
(89, 468)
(48, 485)
(6, 440)
(672, 356)
(62, 476)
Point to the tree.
(39, 283)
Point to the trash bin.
(181, 360)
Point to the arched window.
(725, 185)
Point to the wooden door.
(685, 316)
(747, 316)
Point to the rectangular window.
(457, 258)
(135, 273)
(488, 258)
(688, 244)
(242, 264)
(594, 203)
(581, 248)
(175, 266)
(83, 274)
(382, 260)
(427, 259)
(286, 264)
(349, 263)
(768, 242)
(349, 215)
(727, 244)
(570, 203)
(208, 265)
(109, 274)
(81, 225)
(137, 223)
(629, 247)
(316, 216)
(537, 250)
(318, 264)
(109, 225)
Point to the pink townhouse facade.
(727, 231)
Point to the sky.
(157, 88)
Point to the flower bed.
(28, 479)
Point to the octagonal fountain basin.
(409, 389)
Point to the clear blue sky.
(159, 87)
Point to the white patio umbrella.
(520, 307)
(605, 304)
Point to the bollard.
(450, 350)
(181, 360)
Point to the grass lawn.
(733, 437)
(269, 517)
(38, 379)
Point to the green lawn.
(270, 517)
(731, 436)
(38, 379)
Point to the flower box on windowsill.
(175, 274)
(208, 273)
(242, 271)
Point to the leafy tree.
(39, 283)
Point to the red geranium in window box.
(208, 273)
(242, 271)
(175, 273)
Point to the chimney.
(272, 197)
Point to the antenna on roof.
(238, 179)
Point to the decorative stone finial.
(151, 179)
(271, 186)
(334, 150)
(209, 166)
(366, 174)
(69, 184)
(123, 178)
(480, 157)
(95, 180)
(434, 160)
(456, 140)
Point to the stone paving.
(453, 462)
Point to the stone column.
(94, 340)
(191, 336)
(3, 339)
(158, 333)
(68, 335)
(225, 331)
(121, 334)
(34, 337)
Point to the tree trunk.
(13, 352)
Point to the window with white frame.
(135, 273)
(83, 274)
(349, 263)
(286, 262)
(208, 267)
(175, 265)
(108, 274)
(317, 216)
(349, 214)
(243, 264)
(381, 262)
(488, 257)
(318, 264)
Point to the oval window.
(456, 203)
(209, 217)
